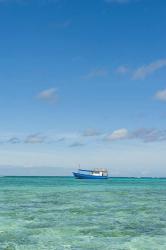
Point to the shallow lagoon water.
(56, 213)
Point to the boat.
(97, 173)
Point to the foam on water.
(38, 213)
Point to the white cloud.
(118, 134)
(91, 132)
(149, 135)
(122, 70)
(161, 95)
(146, 70)
(100, 72)
(38, 138)
(35, 139)
(77, 144)
(48, 95)
(14, 140)
(145, 135)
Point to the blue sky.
(83, 82)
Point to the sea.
(62, 213)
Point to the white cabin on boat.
(100, 172)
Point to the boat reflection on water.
(97, 173)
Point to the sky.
(83, 82)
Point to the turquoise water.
(52, 213)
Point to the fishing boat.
(97, 173)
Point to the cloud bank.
(145, 135)
(89, 137)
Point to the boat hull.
(88, 176)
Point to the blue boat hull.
(88, 176)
